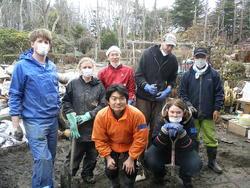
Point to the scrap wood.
(226, 141)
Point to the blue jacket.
(206, 93)
(34, 88)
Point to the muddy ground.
(16, 165)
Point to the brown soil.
(16, 166)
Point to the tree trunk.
(205, 25)
(234, 23)
(55, 23)
(241, 19)
(144, 24)
(21, 16)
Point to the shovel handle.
(73, 145)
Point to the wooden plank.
(237, 129)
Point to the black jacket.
(154, 68)
(187, 143)
(81, 97)
(206, 93)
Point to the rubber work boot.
(212, 163)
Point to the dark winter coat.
(187, 143)
(154, 68)
(82, 97)
(206, 93)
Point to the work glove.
(18, 133)
(160, 96)
(172, 129)
(83, 118)
(73, 125)
(152, 89)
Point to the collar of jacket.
(93, 82)
(27, 55)
(124, 115)
(155, 50)
(208, 69)
(118, 67)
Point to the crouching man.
(121, 135)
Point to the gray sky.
(148, 3)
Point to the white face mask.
(42, 49)
(87, 72)
(175, 119)
(200, 63)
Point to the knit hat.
(112, 49)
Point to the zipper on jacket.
(199, 110)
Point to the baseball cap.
(170, 39)
(202, 51)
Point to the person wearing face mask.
(83, 98)
(176, 123)
(202, 90)
(34, 97)
(117, 73)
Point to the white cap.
(170, 39)
(112, 49)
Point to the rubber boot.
(212, 163)
(187, 181)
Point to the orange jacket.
(129, 133)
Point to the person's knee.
(152, 163)
(192, 166)
(111, 174)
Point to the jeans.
(42, 140)
(156, 158)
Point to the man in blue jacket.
(202, 90)
(34, 97)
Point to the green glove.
(83, 118)
(73, 126)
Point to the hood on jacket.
(27, 55)
(93, 82)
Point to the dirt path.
(16, 165)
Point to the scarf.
(199, 72)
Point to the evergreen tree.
(184, 11)
(229, 17)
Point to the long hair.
(180, 104)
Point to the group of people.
(121, 115)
